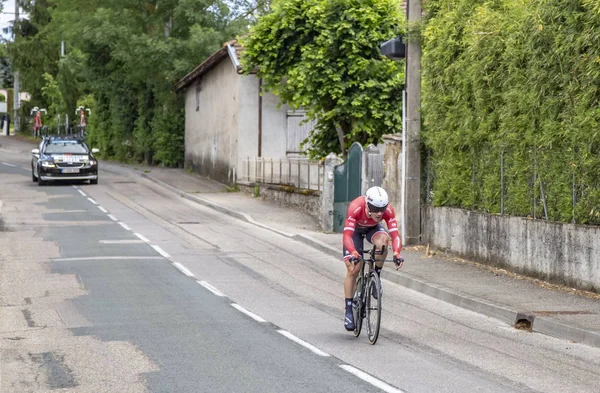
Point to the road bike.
(366, 305)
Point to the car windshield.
(65, 147)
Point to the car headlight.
(47, 164)
(93, 162)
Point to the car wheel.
(33, 178)
(94, 181)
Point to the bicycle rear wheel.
(357, 306)
(373, 307)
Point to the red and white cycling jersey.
(357, 217)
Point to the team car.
(63, 158)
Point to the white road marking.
(129, 241)
(112, 217)
(161, 251)
(183, 269)
(7, 164)
(248, 313)
(82, 193)
(211, 288)
(103, 210)
(124, 226)
(142, 238)
(103, 258)
(370, 379)
(303, 343)
(93, 201)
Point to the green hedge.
(514, 83)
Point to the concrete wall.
(248, 118)
(211, 132)
(392, 170)
(564, 253)
(308, 201)
(274, 127)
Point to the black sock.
(348, 304)
(378, 270)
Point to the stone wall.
(556, 252)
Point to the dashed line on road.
(124, 226)
(183, 269)
(142, 238)
(302, 342)
(82, 193)
(161, 251)
(248, 313)
(214, 290)
(93, 201)
(371, 379)
(103, 210)
(11, 165)
(112, 217)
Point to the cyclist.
(363, 220)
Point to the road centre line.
(124, 226)
(161, 251)
(7, 164)
(302, 342)
(211, 288)
(82, 193)
(112, 217)
(93, 201)
(142, 238)
(370, 379)
(248, 313)
(103, 210)
(183, 269)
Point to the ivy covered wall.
(511, 106)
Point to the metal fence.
(301, 173)
(538, 183)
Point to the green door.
(347, 184)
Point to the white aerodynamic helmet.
(377, 199)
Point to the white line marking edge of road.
(214, 290)
(161, 251)
(124, 226)
(103, 210)
(302, 342)
(371, 379)
(142, 237)
(112, 217)
(183, 269)
(248, 313)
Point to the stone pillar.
(392, 173)
(328, 190)
(365, 181)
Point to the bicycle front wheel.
(373, 307)
(357, 306)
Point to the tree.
(324, 56)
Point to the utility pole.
(412, 149)
(16, 87)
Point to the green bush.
(514, 83)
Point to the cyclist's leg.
(352, 271)
(378, 236)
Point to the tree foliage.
(514, 84)
(324, 56)
(122, 59)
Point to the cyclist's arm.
(392, 224)
(349, 227)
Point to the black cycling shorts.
(361, 233)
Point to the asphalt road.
(123, 286)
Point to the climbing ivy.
(514, 84)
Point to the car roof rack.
(63, 138)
